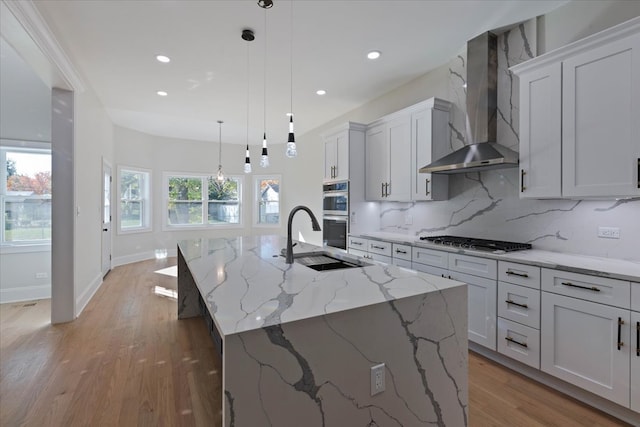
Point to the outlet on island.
(377, 379)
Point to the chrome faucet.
(314, 224)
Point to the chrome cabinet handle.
(522, 174)
(426, 186)
(386, 189)
(378, 247)
(638, 172)
(398, 251)
(589, 288)
(515, 303)
(356, 243)
(382, 190)
(513, 273)
(523, 344)
(638, 339)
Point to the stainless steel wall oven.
(335, 211)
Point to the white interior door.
(106, 217)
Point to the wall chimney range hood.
(483, 153)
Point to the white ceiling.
(114, 43)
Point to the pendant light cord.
(219, 143)
(247, 94)
(264, 118)
(291, 56)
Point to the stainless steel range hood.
(483, 153)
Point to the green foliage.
(185, 188)
(225, 190)
(11, 167)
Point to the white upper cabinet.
(337, 145)
(580, 118)
(399, 144)
(429, 142)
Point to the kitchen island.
(298, 345)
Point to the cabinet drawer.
(378, 247)
(430, 257)
(358, 252)
(436, 271)
(635, 296)
(402, 251)
(474, 265)
(519, 304)
(380, 258)
(358, 243)
(519, 274)
(519, 342)
(592, 288)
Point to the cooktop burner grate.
(478, 244)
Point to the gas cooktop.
(477, 244)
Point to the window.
(267, 191)
(25, 193)
(201, 201)
(134, 210)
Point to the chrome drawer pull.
(523, 344)
(513, 273)
(398, 251)
(357, 243)
(378, 247)
(515, 303)
(589, 288)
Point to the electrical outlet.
(353, 217)
(377, 379)
(609, 232)
(41, 275)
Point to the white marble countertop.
(597, 266)
(247, 284)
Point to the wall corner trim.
(87, 294)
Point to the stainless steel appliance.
(477, 244)
(335, 214)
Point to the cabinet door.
(601, 126)
(482, 308)
(399, 131)
(540, 132)
(330, 156)
(579, 344)
(341, 171)
(635, 361)
(377, 162)
(429, 137)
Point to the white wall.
(160, 154)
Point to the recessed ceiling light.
(321, 92)
(162, 58)
(162, 93)
(374, 54)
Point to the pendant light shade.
(247, 161)
(264, 158)
(220, 175)
(291, 142)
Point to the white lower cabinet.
(519, 304)
(587, 344)
(635, 361)
(519, 342)
(481, 293)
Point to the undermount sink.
(324, 261)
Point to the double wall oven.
(335, 214)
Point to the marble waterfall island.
(298, 344)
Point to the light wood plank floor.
(127, 361)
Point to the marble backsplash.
(487, 204)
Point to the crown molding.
(37, 28)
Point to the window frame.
(147, 202)
(256, 201)
(205, 202)
(37, 147)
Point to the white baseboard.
(142, 256)
(87, 294)
(26, 293)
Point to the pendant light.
(247, 35)
(220, 175)
(291, 142)
(264, 158)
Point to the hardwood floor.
(127, 361)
